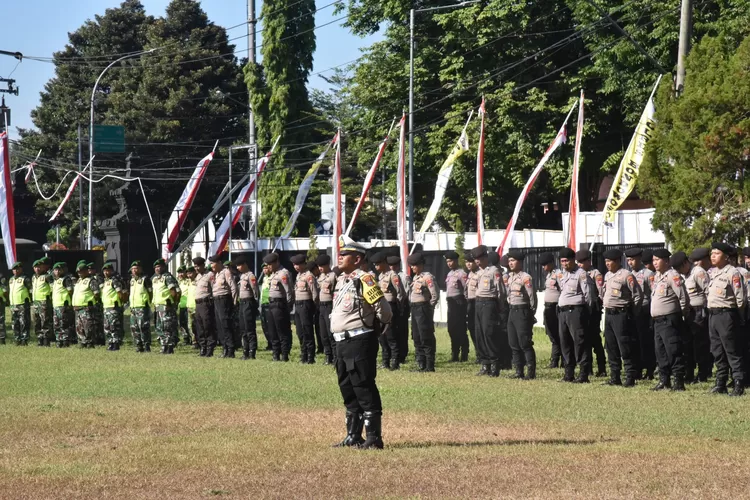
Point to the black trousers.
(470, 321)
(223, 314)
(248, 328)
(356, 368)
(403, 334)
(457, 325)
(552, 329)
(669, 338)
(646, 339)
(324, 325)
(264, 323)
(205, 331)
(389, 336)
(727, 344)
(622, 344)
(594, 334)
(316, 328)
(574, 342)
(520, 331)
(304, 322)
(423, 330)
(487, 331)
(279, 326)
(698, 344)
(506, 353)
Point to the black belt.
(570, 308)
(550, 304)
(325, 302)
(303, 301)
(420, 304)
(616, 310)
(662, 318)
(223, 297)
(716, 310)
(203, 301)
(276, 300)
(520, 307)
(485, 299)
(247, 299)
(456, 297)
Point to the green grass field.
(97, 424)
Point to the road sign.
(109, 139)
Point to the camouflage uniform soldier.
(98, 314)
(140, 308)
(113, 298)
(182, 314)
(166, 297)
(62, 305)
(189, 294)
(20, 301)
(85, 296)
(3, 303)
(41, 308)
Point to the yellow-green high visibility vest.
(60, 294)
(161, 292)
(110, 297)
(184, 284)
(18, 291)
(138, 292)
(190, 294)
(82, 293)
(265, 290)
(40, 288)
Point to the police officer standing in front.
(224, 293)
(205, 333)
(593, 323)
(644, 277)
(522, 300)
(394, 263)
(358, 302)
(552, 277)
(306, 296)
(247, 309)
(698, 353)
(423, 298)
(490, 298)
(393, 291)
(456, 295)
(280, 302)
(726, 304)
(326, 287)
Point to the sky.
(41, 27)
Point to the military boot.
(374, 440)
(629, 381)
(614, 379)
(430, 364)
(252, 353)
(739, 388)
(395, 365)
(285, 357)
(464, 355)
(276, 356)
(230, 352)
(454, 356)
(329, 359)
(66, 343)
(209, 352)
(223, 352)
(485, 370)
(202, 352)
(663, 384)
(554, 362)
(494, 370)
(421, 366)
(518, 374)
(245, 353)
(530, 373)
(147, 347)
(385, 363)
(720, 387)
(354, 424)
(303, 356)
(570, 373)
(40, 341)
(583, 377)
(679, 383)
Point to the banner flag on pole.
(369, 179)
(480, 176)
(304, 189)
(180, 212)
(68, 194)
(444, 176)
(337, 199)
(574, 208)
(7, 213)
(401, 227)
(559, 139)
(222, 234)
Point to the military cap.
(199, 261)
(159, 262)
(271, 258)
(108, 265)
(36, 263)
(81, 265)
(180, 269)
(348, 246)
(633, 252)
(228, 263)
(16, 266)
(699, 254)
(516, 254)
(583, 255)
(503, 260)
(91, 265)
(45, 260)
(415, 258)
(479, 251)
(240, 261)
(214, 258)
(189, 269)
(393, 260)
(613, 254)
(567, 253)
(647, 256)
(323, 260)
(546, 258)
(451, 255)
(732, 251)
(678, 259)
(136, 263)
(662, 253)
(377, 257)
(746, 251)
(311, 266)
(493, 259)
(299, 259)
(720, 245)
(59, 265)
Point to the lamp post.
(411, 102)
(91, 138)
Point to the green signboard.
(109, 139)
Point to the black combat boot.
(454, 356)
(209, 352)
(530, 373)
(739, 388)
(570, 374)
(583, 376)
(40, 342)
(430, 364)
(421, 366)
(554, 362)
(385, 363)
(224, 351)
(374, 440)
(202, 352)
(66, 343)
(494, 370)
(329, 359)
(354, 424)
(147, 347)
(464, 355)
(285, 357)
(252, 353)
(629, 381)
(59, 343)
(485, 370)
(679, 383)
(395, 365)
(245, 354)
(230, 352)
(276, 356)
(649, 374)
(614, 379)
(720, 387)
(518, 373)
(663, 384)
(303, 356)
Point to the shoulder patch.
(737, 281)
(677, 279)
(527, 280)
(559, 276)
(285, 278)
(631, 279)
(368, 280)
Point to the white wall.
(630, 227)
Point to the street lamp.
(411, 102)
(91, 138)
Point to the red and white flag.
(222, 234)
(337, 215)
(29, 171)
(559, 139)
(180, 212)
(574, 208)
(401, 199)
(68, 194)
(368, 180)
(7, 214)
(480, 176)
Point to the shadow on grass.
(498, 442)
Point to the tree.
(696, 163)
(458, 226)
(312, 252)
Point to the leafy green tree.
(458, 226)
(312, 252)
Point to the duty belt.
(616, 310)
(550, 304)
(246, 299)
(272, 300)
(485, 299)
(570, 308)
(520, 307)
(203, 300)
(338, 337)
(716, 310)
(325, 302)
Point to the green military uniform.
(62, 308)
(20, 301)
(183, 315)
(165, 308)
(140, 311)
(85, 297)
(98, 312)
(41, 307)
(112, 310)
(3, 303)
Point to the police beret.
(393, 260)
(662, 253)
(91, 265)
(647, 256)
(59, 265)
(311, 266)
(746, 251)
(109, 265)
(323, 260)
(189, 269)
(199, 261)
(415, 259)
(136, 263)
(583, 255)
(516, 254)
(732, 251)
(699, 254)
(299, 259)
(240, 261)
(493, 259)
(377, 257)
(45, 260)
(633, 252)
(81, 265)
(678, 259)
(546, 258)
(479, 251)
(613, 254)
(271, 258)
(451, 255)
(214, 258)
(16, 266)
(159, 262)
(567, 253)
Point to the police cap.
(633, 252)
(647, 256)
(199, 261)
(479, 251)
(567, 253)
(720, 245)
(451, 255)
(662, 253)
(271, 258)
(583, 255)
(323, 260)
(214, 258)
(393, 260)
(348, 246)
(299, 259)
(311, 266)
(746, 251)
(516, 254)
(377, 257)
(546, 258)
(678, 259)
(415, 259)
(613, 254)
(240, 261)
(699, 254)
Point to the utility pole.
(686, 31)
(253, 151)
(80, 189)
